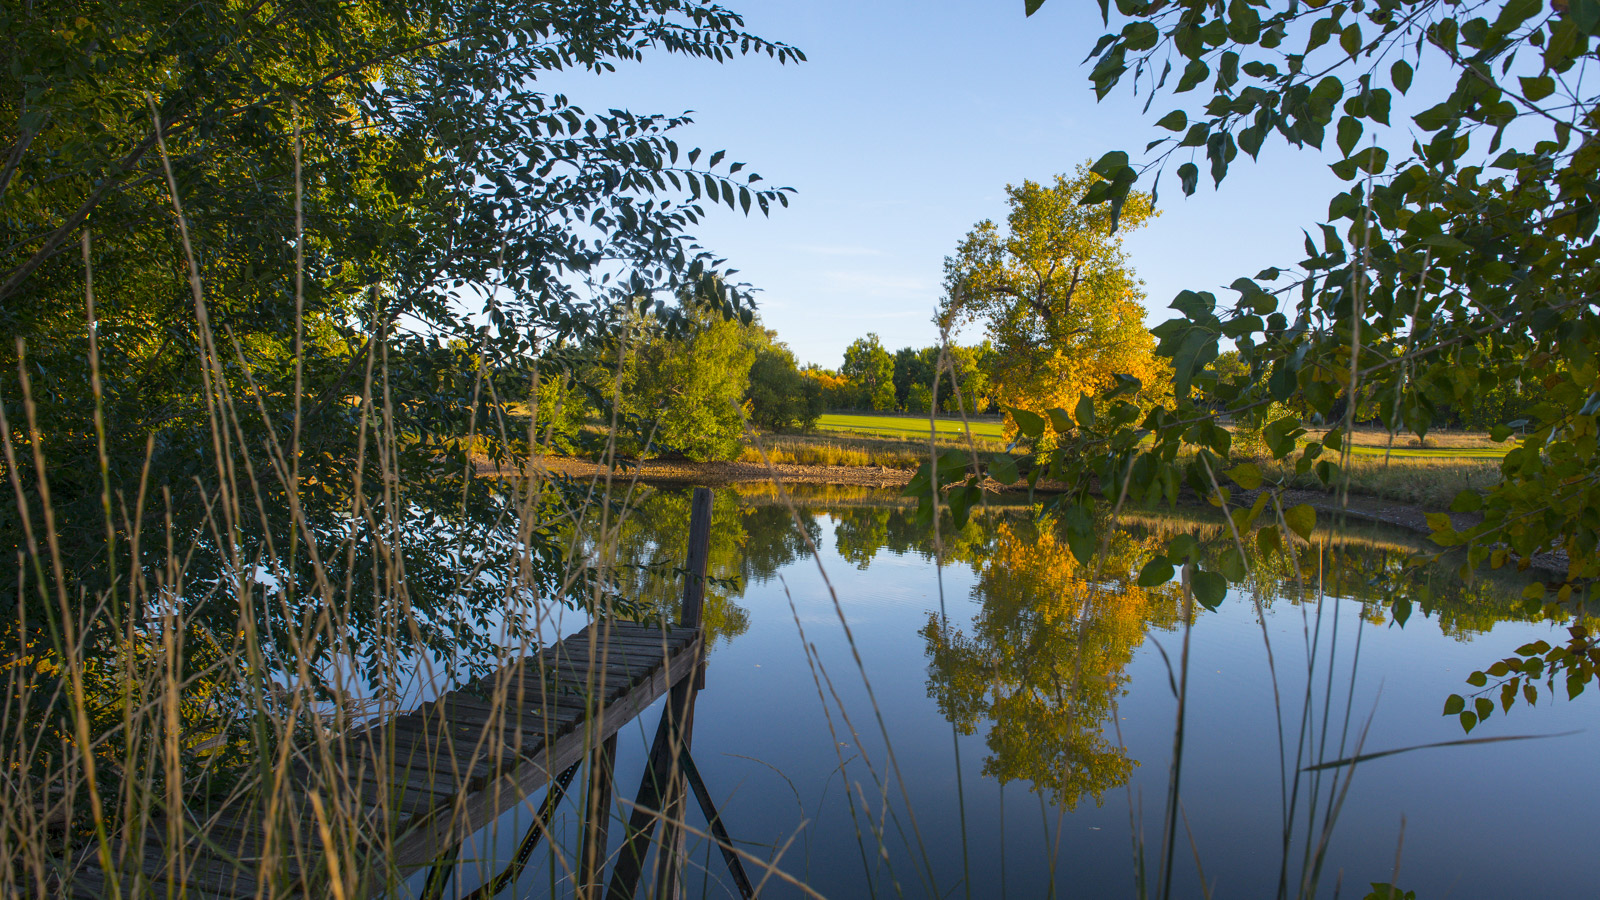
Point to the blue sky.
(901, 132)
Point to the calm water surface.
(1029, 713)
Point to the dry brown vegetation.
(1440, 440)
(1425, 483)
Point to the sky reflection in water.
(1030, 716)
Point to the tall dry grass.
(1425, 483)
(147, 751)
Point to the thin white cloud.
(834, 250)
(882, 286)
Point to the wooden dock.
(402, 794)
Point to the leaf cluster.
(1458, 260)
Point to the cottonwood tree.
(1458, 258)
(1053, 289)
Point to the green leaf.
(1477, 679)
(962, 499)
(1439, 522)
(1140, 36)
(1173, 121)
(1454, 704)
(1401, 610)
(1234, 568)
(1084, 412)
(1029, 423)
(1400, 76)
(1029, 7)
(1372, 160)
(1059, 420)
(1081, 534)
(1189, 177)
(1126, 384)
(1537, 88)
(1156, 572)
(1484, 707)
(1193, 73)
(1003, 468)
(1467, 501)
(1280, 434)
(1349, 133)
(1269, 541)
(1110, 164)
(1210, 588)
(1350, 39)
(1468, 721)
(1302, 519)
(1436, 117)
(1246, 475)
(1499, 433)
(1184, 546)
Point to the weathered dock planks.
(369, 808)
(420, 782)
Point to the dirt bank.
(713, 474)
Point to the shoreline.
(720, 474)
(1409, 517)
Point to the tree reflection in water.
(1044, 663)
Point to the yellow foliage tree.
(1057, 296)
(1046, 658)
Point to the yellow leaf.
(1246, 475)
(1302, 519)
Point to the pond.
(997, 719)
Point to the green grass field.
(903, 426)
(916, 427)
(1401, 452)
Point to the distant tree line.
(910, 380)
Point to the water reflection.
(1044, 662)
(1039, 668)
(1033, 659)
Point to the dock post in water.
(661, 793)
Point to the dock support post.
(669, 859)
(597, 820)
(661, 790)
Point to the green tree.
(870, 369)
(913, 367)
(560, 405)
(1055, 293)
(919, 399)
(384, 215)
(780, 397)
(972, 366)
(689, 387)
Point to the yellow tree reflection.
(1046, 657)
